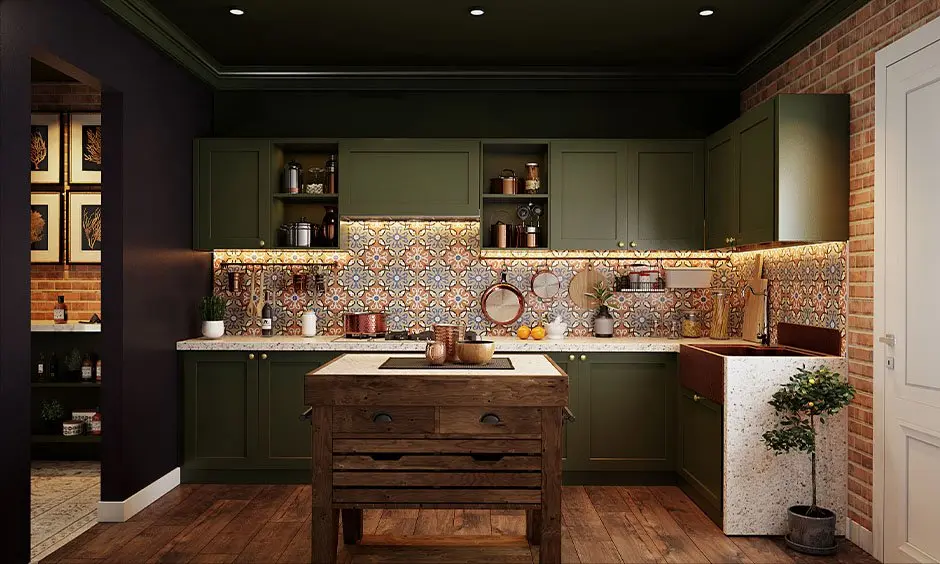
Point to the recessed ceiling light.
(476, 11)
(237, 12)
(705, 12)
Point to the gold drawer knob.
(251, 356)
(583, 357)
(264, 356)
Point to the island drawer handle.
(490, 419)
(390, 457)
(381, 417)
(487, 457)
(568, 416)
(307, 414)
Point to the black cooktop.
(408, 336)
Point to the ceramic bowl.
(475, 352)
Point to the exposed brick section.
(842, 60)
(80, 284)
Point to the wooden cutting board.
(754, 306)
(581, 283)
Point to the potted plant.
(603, 321)
(807, 399)
(212, 311)
(73, 365)
(51, 415)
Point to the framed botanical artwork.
(45, 227)
(84, 227)
(45, 149)
(85, 149)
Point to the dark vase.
(603, 322)
(330, 228)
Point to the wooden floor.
(214, 523)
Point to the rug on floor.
(63, 503)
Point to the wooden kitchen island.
(441, 438)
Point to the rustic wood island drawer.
(490, 421)
(385, 420)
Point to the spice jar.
(531, 236)
(691, 324)
(500, 235)
(721, 314)
(508, 181)
(532, 182)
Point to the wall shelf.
(515, 197)
(50, 327)
(307, 198)
(89, 385)
(78, 439)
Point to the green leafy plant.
(806, 397)
(51, 410)
(602, 294)
(212, 308)
(73, 361)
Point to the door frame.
(902, 48)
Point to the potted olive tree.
(212, 310)
(803, 403)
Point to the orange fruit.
(523, 332)
(538, 332)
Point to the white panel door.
(912, 308)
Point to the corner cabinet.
(780, 173)
(700, 452)
(410, 177)
(232, 193)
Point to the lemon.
(523, 332)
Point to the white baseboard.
(120, 511)
(860, 536)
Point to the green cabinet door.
(284, 438)
(220, 410)
(721, 192)
(666, 194)
(588, 194)
(627, 402)
(756, 144)
(571, 442)
(701, 451)
(409, 177)
(232, 193)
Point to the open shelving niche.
(494, 206)
(288, 208)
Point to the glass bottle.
(87, 371)
(330, 227)
(41, 368)
(60, 314)
(98, 371)
(721, 314)
(332, 176)
(267, 317)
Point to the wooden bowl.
(475, 352)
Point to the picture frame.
(45, 149)
(45, 227)
(85, 148)
(84, 227)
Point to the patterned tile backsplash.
(422, 273)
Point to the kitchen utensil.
(303, 233)
(502, 303)
(583, 283)
(755, 302)
(292, 177)
(545, 284)
(299, 283)
(435, 353)
(506, 183)
(532, 182)
(475, 352)
(523, 212)
(500, 235)
(259, 307)
(234, 281)
(318, 281)
(315, 180)
(288, 235)
(364, 325)
(449, 334)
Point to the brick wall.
(842, 60)
(80, 284)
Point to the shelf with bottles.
(62, 439)
(71, 327)
(57, 384)
(514, 157)
(310, 166)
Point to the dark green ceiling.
(665, 35)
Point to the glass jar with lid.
(691, 324)
(721, 314)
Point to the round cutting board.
(582, 283)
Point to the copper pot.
(449, 335)
(506, 183)
(360, 325)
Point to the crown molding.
(154, 26)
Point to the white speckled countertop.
(503, 344)
(368, 365)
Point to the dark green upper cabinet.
(666, 194)
(410, 178)
(588, 194)
(789, 179)
(232, 194)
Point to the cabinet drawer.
(435, 446)
(490, 421)
(391, 420)
(456, 462)
(425, 497)
(387, 479)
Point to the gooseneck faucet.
(763, 334)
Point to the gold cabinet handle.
(620, 244)
(571, 357)
(696, 397)
(264, 356)
(261, 243)
(633, 244)
(583, 357)
(251, 356)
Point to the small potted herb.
(212, 311)
(73, 365)
(809, 397)
(603, 321)
(51, 415)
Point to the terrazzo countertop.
(368, 365)
(503, 344)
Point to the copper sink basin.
(753, 350)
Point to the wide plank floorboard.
(259, 523)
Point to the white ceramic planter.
(213, 329)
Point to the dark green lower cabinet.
(701, 451)
(569, 363)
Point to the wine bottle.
(41, 368)
(267, 321)
(51, 369)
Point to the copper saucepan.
(502, 303)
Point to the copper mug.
(435, 353)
